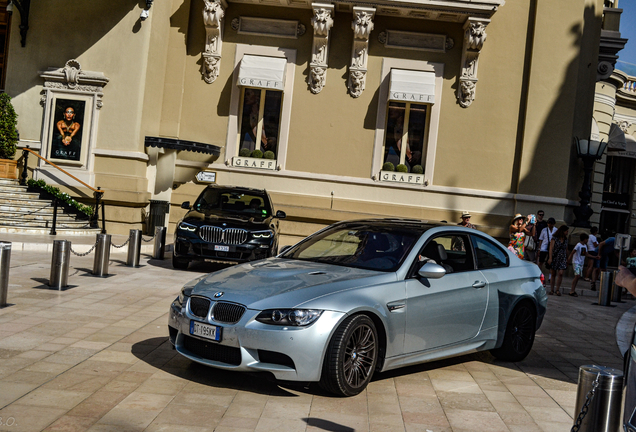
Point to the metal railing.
(97, 193)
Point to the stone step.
(25, 201)
(12, 188)
(26, 216)
(44, 223)
(9, 182)
(20, 194)
(30, 208)
(6, 229)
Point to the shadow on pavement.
(158, 352)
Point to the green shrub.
(62, 196)
(8, 122)
(244, 152)
(388, 166)
(417, 169)
(402, 168)
(269, 155)
(257, 154)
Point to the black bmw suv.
(226, 223)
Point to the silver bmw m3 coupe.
(359, 297)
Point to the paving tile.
(25, 420)
(475, 421)
(65, 399)
(71, 424)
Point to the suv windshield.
(232, 201)
(363, 246)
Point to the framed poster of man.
(69, 129)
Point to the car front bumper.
(252, 346)
(195, 249)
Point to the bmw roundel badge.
(218, 294)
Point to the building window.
(406, 123)
(260, 121)
(4, 41)
(260, 108)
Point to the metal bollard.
(604, 411)
(102, 255)
(605, 289)
(60, 263)
(5, 262)
(134, 248)
(160, 243)
(617, 291)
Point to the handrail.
(65, 172)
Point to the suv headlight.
(262, 234)
(187, 227)
(289, 317)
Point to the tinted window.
(361, 246)
(488, 254)
(229, 201)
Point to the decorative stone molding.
(322, 23)
(362, 26)
(290, 29)
(415, 41)
(213, 14)
(624, 125)
(474, 38)
(72, 77)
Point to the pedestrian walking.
(540, 226)
(606, 252)
(577, 258)
(531, 242)
(557, 258)
(518, 232)
(466, 221)
(545, 238)
(592, 270)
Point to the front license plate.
(206, 331)
(221, 248)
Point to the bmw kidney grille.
(213, 234)
(227, 312)
(199, 306)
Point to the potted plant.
(8, 138)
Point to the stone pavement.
(96, 357)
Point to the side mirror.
(281, 214)
(431, 271)
(284, 249)
(185, 205)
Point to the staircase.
(23, 212)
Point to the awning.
(175, 144)
(262, 72)
(412, 86)
(616, 138)
(629, 150)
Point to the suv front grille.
(227, 312)
(199, 306)
(214, 234)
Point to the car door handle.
(479, 284)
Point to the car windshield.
(229, 201)
(361, 246)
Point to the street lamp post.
(589, 151)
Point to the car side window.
(451, 251)
(487, 254)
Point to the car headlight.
(262, 234)
(187, 227)
(186, 291)
(289, 317)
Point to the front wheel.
(179, 264)
(351, 357)
(519, 335)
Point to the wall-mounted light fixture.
(589, 151)
(146, 12)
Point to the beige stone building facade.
(314, 100)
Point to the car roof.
(395, 223)
(238, 189)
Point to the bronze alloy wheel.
(351, 357)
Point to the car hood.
(283, 283)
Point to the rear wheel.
(351, 357)
(519, 335)
(179, 263)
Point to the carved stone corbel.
(362, 26)
(474, 38)
(322, 23)
(213, 13)
(72, 77)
